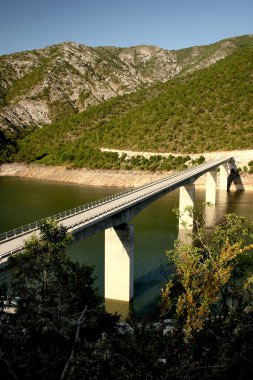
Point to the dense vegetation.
(207, 110)
(211, 110)
(52, 296)
(9, 143)
(60, 330)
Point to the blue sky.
(33, 24)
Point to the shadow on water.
(239, 202)
(147, 289)
(235, 178)
(227, 202)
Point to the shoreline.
(87, 177)
(116, 178)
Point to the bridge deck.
(99, 212)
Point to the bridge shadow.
(235, 178)
(146, 299)
(234, 199)
(147, 288)
(159, 273)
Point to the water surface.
(25, 200)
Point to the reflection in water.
(214, 213)
(119, 307)
(239, 202)
(210, 215)
(234, 179)
(185, 236)
(222, 201)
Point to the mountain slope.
(210, 109)
(41, 86)
(44, 85)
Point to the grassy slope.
(209, 110)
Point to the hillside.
(208, 109)
(41, 86)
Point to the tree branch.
(79, 322)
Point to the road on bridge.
(74, 219)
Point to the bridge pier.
(186, 200)
(113, 215)
(224, 177)
(119, 262)
(211, 180)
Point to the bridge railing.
(66, 214)
(62, 215)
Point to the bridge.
(113, 214)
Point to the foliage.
(207, 274)
(205, 104)
(55, 298)
(24, 84)
(61, 109)
(60, 330)
(207, 110)
(250, 164)
(222, 350)
(8, 143)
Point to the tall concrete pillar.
(119, 262)
(186, 199)
(211, 179)
(185, 236)
(224, 177)
(210, 215)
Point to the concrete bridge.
(113, 215)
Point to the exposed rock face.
(40, 86)
(25, 112)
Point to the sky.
(169, 24)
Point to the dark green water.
(25, 200)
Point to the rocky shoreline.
(120, 178)
(117, 178)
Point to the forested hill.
(207, 110)
(41, 86)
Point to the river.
(25, 200)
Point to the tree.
(56, 305)
(208, 277)
(209, 298)
(60, 331)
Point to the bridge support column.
(224, 177)
(211, 179)
(119, 262)
(186, 199)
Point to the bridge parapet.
(118, 209)
(23, 230)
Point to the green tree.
(210, 301)
(56, 305)
(60, 331)
(208, 275)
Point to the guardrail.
(61, 216)
(77, 210)
(65, 214)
